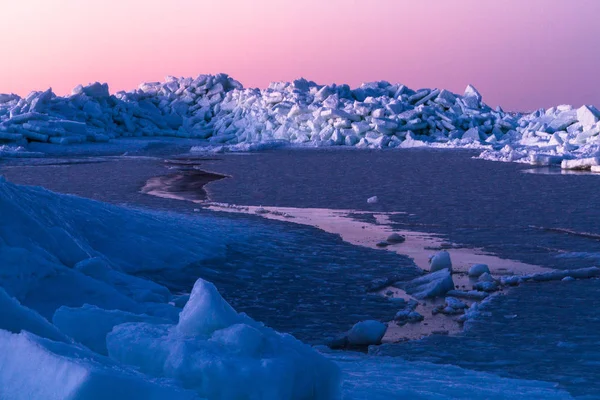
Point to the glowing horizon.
(521, 55)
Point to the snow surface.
(219, 111)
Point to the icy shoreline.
(223, 116)
(417, 245)
(503, 274)
(130, 315)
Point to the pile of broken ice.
(439, 283)
(220, 111)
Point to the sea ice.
(395, 238)
(70, 259)
(431, 285)
(89, 325)
(224, 355)
(477, 270)
(37, 368)
(366, 333)
(581, 163)
(439, 261)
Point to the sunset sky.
(522, 54)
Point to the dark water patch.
(470, 202)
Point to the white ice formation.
(76, 323)
(439, 261)
(218, 110)
(366, 333)
(477, 270)
(431, 285)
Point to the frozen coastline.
(223, 116)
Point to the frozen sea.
(304, 281)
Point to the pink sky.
(522, 54)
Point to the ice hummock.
(224, 355)
(70, 261)
(218, 111)
(32, 367)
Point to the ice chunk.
(96, 90)
(446, 98)
(35, 368)
(452, 306)
(455, 303)
(89, 325)
(366, 333)
(581, 163)
(472, 135)
(137, 288)
(588, 115)
(431, 285)
(395, 238)
(478, 269)
(562, 121)
(545, 160)
(224, 355)
(372, 200)
(472, 98)
(582, 273)
(408, 316)
(206, 311)
(485, 277)
(439, 261)
(486, 286)
(16, 318)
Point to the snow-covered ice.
(114, 335)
